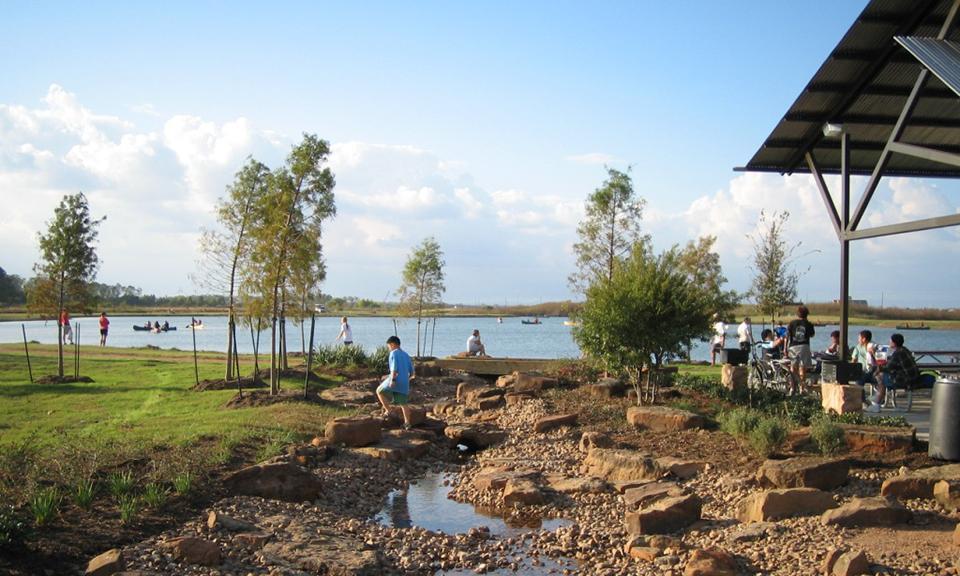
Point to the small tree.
(646, 312)
(774, 280)
(68, 263)
(609, 232)
(422, 279)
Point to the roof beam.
(921, 10)
(825, 195)
(890, 119)
(904, 227)
(857, 55)
(930, 154)
(879, 90)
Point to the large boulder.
(470, 391)
(416, 414)
(496, 478)
(582, 485)
(606, 388)
(863, 512)
(947, 493)
(711, 562)
(841, 398)
(488, 402)
(548, 423)
(804, 472)
(476, 436)
(620, 465)
(879, 440)
(445, 408)
(647, 494)
(663, 418)
(665, 515)
(110, 562)
(591, 440)
(398, 445)
(846, 563)
(918, 483)
(532, 384)
(275, 481)
(194, 551)
(353, 432)
(522, 491)
(679, 468)
(782, 503)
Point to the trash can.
(945, 421)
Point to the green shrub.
(828, 435)
(12, 528)
(183, 483)
(379, 358)
(129, 506)
(121, 484)
(84, 492)
(739, 422)
(45, 504)
(768, 435)
(154, 495)
(861, 419)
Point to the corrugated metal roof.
(863, 85)
(942, 57)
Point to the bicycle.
(769, 372)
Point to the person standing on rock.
(346, 333)
(395, 388)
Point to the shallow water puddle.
(425, 505)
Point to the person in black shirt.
(799, 333)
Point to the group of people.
(67, 330)
(156, 326)
(898, 370)
(475, 346)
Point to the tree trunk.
(231, 329)
(60, 329)
(274, 377)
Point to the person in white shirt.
(719, 337)
(474, 346)
(745, 334)
(346, 333)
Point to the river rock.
(918, 483)
(947, 493)
(319, 550)
(647, 494)
(532, 384)
(665, 515)
(522, 491)
(862, 512)
(472, 392)
(839, 562)
(252, 540)
(804, 472)
(488, 403)
(784, 502)
(620, 465)
(711, 562)
(476, 436)
(590, 440)
(397, 446)
(496, 478)
(194, 551)
(506, 380)
(607, 388)
(110, 562)
(663, 418)
(548, 423)
(353, 432)
(445, 408)
(417, 415)
(276, 481)
(220, 521)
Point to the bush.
(768, 435)
(121, 483)
(45, 504)
(739, 422)
(828, 435)
(12, 528)
(84, 493)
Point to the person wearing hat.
(474, 346)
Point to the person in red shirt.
(104, 326)
(65, 322)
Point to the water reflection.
(425, 504)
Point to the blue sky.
(484, 124)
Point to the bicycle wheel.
(755, 378)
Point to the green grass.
(139, 397)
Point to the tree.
(609, 232)
(11, 289)
(647, 311)
(775, 280)
(223, 250)
(68, 263)
(422, 279)
(289, 217)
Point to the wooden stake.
(196, 368)
(306, 379)
(26, 351)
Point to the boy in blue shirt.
(395, 388)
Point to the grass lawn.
(139, 397)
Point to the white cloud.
(593, 159)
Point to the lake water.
(446, 336)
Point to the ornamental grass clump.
(84, 492)
(155, 495)
(121, 484)
(828, 435)
(129, 506)
(45, 504)
(183, 483)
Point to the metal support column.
(844, 242)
